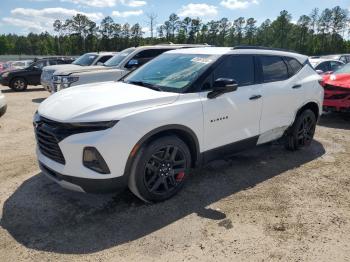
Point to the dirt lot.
(265, 204)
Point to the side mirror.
(100, 63)
(133, 63)
(222, 86)
(36, 68)
(320, 72)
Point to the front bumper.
(47, 85)
(4, 81)
(84, 184)
(72, 173)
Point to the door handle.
(254, 97)
(296, 86)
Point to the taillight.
(322, 83)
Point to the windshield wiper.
(144, 84)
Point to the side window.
(274, 68)
(324, 66)
(147, 55)
(104, 59)
(335, 65)
(294, 65)
(343, 59)
(52, 62)
(41, 64)
(237, 67)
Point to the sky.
(24, 16)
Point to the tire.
(302, 131)
(18, 84)
(160, 169)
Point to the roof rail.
(262, 48)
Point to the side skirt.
(227, 150)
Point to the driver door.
(232, 117)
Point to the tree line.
(320, 32)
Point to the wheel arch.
(184, 133)
(313, 106)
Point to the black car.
(19, 79)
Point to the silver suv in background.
(88, 59)
(3, 104)
(115, 68)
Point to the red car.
(337, 90)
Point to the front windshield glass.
(171, 72)
(85, 60)
(118, 58)
(343, 70)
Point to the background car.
(345, 58)
(19, 79)
(324, 65)
(115, 68)
(3, 104)
(337, 90)
(88, 59)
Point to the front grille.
(48, 141)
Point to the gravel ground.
(265, 204)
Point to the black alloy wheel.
(159, 169)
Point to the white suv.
(182, 109)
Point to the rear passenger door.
(234, 116)
(282, 93)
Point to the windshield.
(171, 72)
(343, 70)
(117, 59)
(85, 60)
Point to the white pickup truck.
(88, 59)
(112, 70)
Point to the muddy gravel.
(265, 204)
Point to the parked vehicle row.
(88, 59)
(185, 107)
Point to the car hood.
(341, 80)
(101, 102)
(81, 69)
(62, 67)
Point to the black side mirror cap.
(222, 86)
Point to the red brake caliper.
(180, 176)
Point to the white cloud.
(107, 3)
(198, 10)
(127, 13)
(93, 3)
(40, 20)
(238, 4)
(133, 3)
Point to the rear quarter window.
(294, 65)
(273, 68)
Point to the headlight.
(62, 82)
(69, 79)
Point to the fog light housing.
(93, 160)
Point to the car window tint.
(237, 67)
(274, 68)
(52, 62)
(104, 59)
(324, 66)
(294, 65)
(335, 65)
(41, 64)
